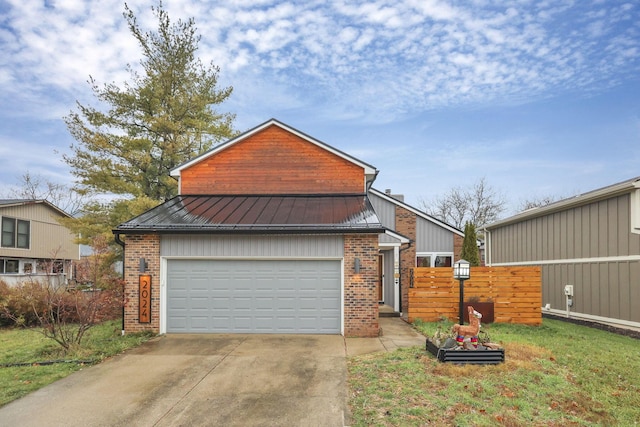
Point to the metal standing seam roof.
(350, 213)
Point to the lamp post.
(461, 271)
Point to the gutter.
(247, 229)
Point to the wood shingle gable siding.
(273, 161)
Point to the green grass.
(556, 374)
(28, 346)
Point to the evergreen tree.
(158, 120)
(470, 245)
(155, 122)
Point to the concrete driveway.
(211, 380)
(200, 380)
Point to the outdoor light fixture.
(143, 265)
(356, 265)
(461, 271)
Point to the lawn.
(29, 361)
(556, 374)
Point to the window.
(423, 261)
(27, 268)
(434, 259)
(15, 233)
(443, 261)
(42, 267)
(57, 267)
(23, 234)
(10, 266)
(8, 232)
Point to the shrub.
(64, 312)
(20, 304)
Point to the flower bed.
(480, 356)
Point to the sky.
(539, 98)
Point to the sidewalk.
(396, 333)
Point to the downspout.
(121, 243)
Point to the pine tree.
(155, 122)
(158, 120)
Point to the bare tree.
(35, 187)
(479, 205)
(537, 202)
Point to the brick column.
(360, 289)
(406, 225)
(457, 247)
(145, 246)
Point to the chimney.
(399, 197)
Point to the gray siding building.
(412, 239)
(589, 250)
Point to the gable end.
(273, 160)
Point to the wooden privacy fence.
(516, 293)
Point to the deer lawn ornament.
(471, 330)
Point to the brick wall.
(360, 289)
(406, 225)
(136, 247)
(457, 247)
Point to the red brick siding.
(136, 247)
(360, 290)
(273, 161)
(457, 246)
(406, 225)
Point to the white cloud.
(373, 58)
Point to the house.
(35, 246)
(588, 248)
(413, 239)
(274, 231)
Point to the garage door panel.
(253, 296)
(177, 322)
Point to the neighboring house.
(34, 245)
(589, 250)
(274, 232)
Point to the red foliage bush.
(20, 304)
(66, 311)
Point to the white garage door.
(253, 296)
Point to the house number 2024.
(144, 298)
